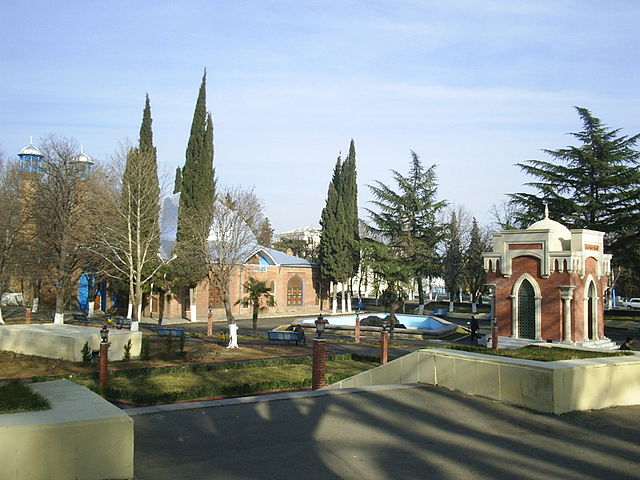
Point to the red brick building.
(294, 282)
(549, 282)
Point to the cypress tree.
(334, 259)
(197, 194)
(177, 182)
(349, 192)
(453, 258)
(140, 210)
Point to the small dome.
(559, 235)
(83, 157)
(30, 149)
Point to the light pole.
(318, 368)
(104, 357)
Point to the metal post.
(494, 334)
(318, 372)
(103, 365)
(384, 347)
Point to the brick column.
(27, 315)
(356, 330)
(319, 368)
(384, 347)
(210, 322)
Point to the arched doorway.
(526, 310)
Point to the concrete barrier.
(552, 387)
(82, 437)
(65, 342)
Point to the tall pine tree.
(453, 259)
(197, 194)
(177, 182)
(406, 219)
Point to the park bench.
(440, 311)
(284, 336)
(170, 332)
(79, 317)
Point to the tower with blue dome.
(30, 158)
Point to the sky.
(473, 87)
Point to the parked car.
(630, 303)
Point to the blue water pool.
(410, 321)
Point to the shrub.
(16, 397)
(87, 354)
(127, 350)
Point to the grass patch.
(540, 354)
(15, 397)
(190, 382)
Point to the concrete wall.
(65, 341)
(82, 437)
(552, 387)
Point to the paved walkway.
(383, 433)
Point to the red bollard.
(318, 369)
(384, 347)
(27, 315)
(103, 365)
(494, 335)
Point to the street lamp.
(104, 334)
(320, 322)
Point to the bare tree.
(64, 194)
(129, 240)
(12, 221)
(230, 242)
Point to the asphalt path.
(399, 433)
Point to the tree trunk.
(334, 298)
(59, 315)
(343, 299)
(130, 309)
(254, 319)
(1, 320)
(420, 291)
(233, 335)
(193, 314)
(227, 305)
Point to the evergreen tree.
(349, 193)
(453, 260)
(197, 194)
(265, 233)
(177, 182)
(594, 185)
(474, 265)
(334, 258)
(406, 219)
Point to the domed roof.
(30, 149)
(558, 233)
(83, 157)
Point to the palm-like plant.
(257, 290)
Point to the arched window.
(591, 312)
(294, 291)
(215, 297)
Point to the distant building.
(309, 234)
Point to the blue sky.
(472, 86)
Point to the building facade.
(549, 282)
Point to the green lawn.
(164, 385)
(541, 354)
(15, 397)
